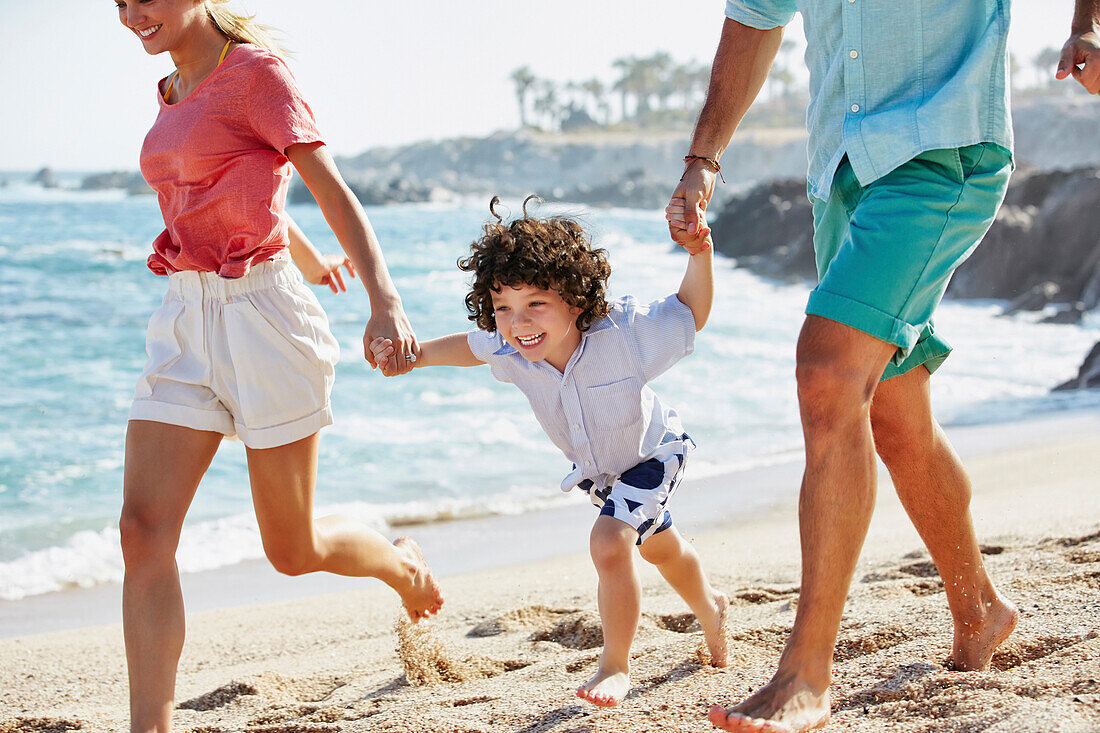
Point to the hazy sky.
(77, 89)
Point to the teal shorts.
(886, 251)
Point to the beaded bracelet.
(705, 159)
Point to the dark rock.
(1033, 300)
(769, 230)
(45, 178)
(1088, 376)
(1073, 314)
(130, 181)
(394, 191)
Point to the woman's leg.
(679, 564)
(620, 597)
(164, 464)
(283, 482)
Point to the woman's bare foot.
(606, 689)
(422, 597)
(784, 705)
(714, 631)
(975, 641)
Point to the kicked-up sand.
(513, 643)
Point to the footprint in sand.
(859, 641)
(1015, 652)
(580, 630)
(521, 618)
(271, 687)
(763, 595)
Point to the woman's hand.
(325, 270)
(390, 324)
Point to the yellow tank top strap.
(225, 50)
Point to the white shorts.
(251, 357)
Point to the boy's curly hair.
(550, 254)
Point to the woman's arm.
(317, 268)
(697, 289)
(453, 350)
(352, 229)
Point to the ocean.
(441, 443)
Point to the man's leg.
(838, 370)
(935, 491)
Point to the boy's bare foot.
(423, 596)
(784, 705)
(714, 631)
(606, 689)
(976, 641)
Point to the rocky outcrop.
(45, 178)
(1044, 246)
(1088, 376)
(130, 181)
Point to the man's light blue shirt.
(600, 412)
(890, 79)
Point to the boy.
(538, 298)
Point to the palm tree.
(523, 79)
(546, 103)
(595, 90)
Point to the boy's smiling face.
(537, 323)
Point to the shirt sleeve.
(276, 110)
(761, 14)
(663, 332)
(485, 347)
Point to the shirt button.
(854, 53)
(576, 426)
(588, 463)
(855, 108)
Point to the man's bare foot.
(784, 705)
(606, 689)
(975, 642)
(714, 631)
(423, 596)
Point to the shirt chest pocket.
(614, 406)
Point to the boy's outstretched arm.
(697, 288)
(453, 350)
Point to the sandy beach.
(519, 631)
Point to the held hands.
(1081, 59)
(693, 236)
(392, 327)
(325, 270)
(686, 212)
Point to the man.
(909, 154)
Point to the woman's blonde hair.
(242, 28)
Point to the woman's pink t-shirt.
(216, 160)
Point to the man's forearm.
(1086, 14)
(741, 65)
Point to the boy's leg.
(620, 594)
(283, 481)
(679, 564)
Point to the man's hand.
(686, 211)
(391, 324)
(1081, 59)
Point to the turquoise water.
(75, 296)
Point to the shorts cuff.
(188, 417)
(286, 433)
(932, 352)
(871, 321)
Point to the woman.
(240, 346)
